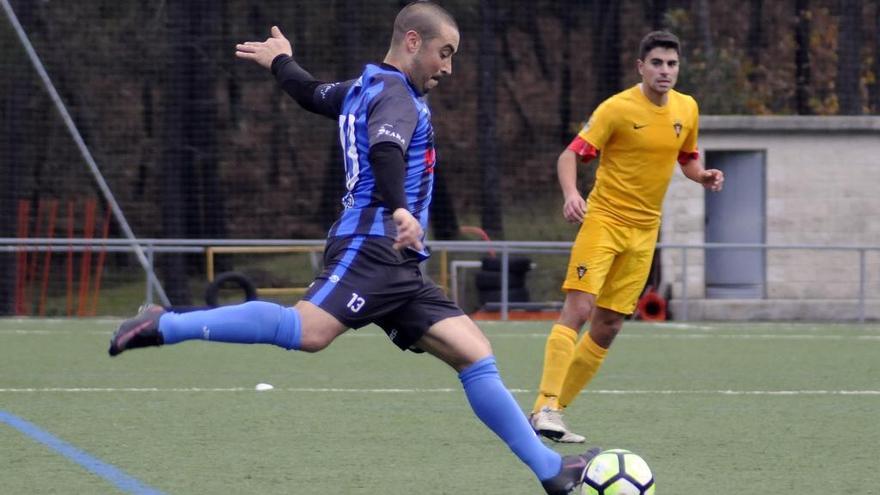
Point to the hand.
(574, 208)
(409, 230)
(265, 52)
(712, 179)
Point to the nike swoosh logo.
(639, 126)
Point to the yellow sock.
(588, 356)
(557, 356)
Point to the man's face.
(659, 69)
(433, 61)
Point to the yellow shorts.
(611, 262)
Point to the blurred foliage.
(109, 61)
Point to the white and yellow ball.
(618, 472)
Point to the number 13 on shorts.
(355, 303)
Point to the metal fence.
(503, 250)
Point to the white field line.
(530, 335)
(439, 391)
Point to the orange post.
(24, 207)
(47, 259)
(99, 266)
(86, 260)
(70, 258)
(31, 276)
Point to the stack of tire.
(488, 280)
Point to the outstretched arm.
(264, 52)
(276, 54)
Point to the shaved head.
(423, 17)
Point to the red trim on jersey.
(583, 149)
(684, 156)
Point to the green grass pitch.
(714, 409)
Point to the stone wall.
(823, 189)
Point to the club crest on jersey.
(677, 126)
(581, 270)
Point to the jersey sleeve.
(689, 150)
(392, 116)
(328, 97)
(583, 149)
(599, 128)
(313, 95)
(689, 145)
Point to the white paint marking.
(435, 391)
(532, 335)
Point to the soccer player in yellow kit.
(638, 135)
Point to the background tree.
(606, 49)
(849, 45)
(191, 197)
(18, 89)
(802, 57)
(487, 142)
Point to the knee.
(314, 341)
(577, 312)
(604, 328)
(482, 351)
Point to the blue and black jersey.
(377, 111)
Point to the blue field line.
(107, 471)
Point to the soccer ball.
(618, 472)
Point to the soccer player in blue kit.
(371, 260)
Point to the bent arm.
(566, 169)
(712, 179)
(574, 206)
(389, 167)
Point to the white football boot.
(548, 423)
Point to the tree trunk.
(334, 178)
(177, 154)
(13, 105)
(704, 28)
(487, 133)
(444, 221)
(208, 216)
(567, 21)
(849, 44)
(754, 40)
(658, 14)
(606, 50)
(802, 57)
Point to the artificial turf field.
(714, 409)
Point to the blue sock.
(254, 322)
(495, 406)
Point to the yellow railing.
(210, 251)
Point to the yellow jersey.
(639, 143)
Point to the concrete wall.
(823, 189)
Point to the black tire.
(212, 291)
(492, 280)
(516, 264)
(513, 295)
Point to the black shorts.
(365, 280)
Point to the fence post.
(505, 293)
(148, 299)
(684, 283)
(862, 285)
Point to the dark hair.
(663, 39)
(423, 17)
